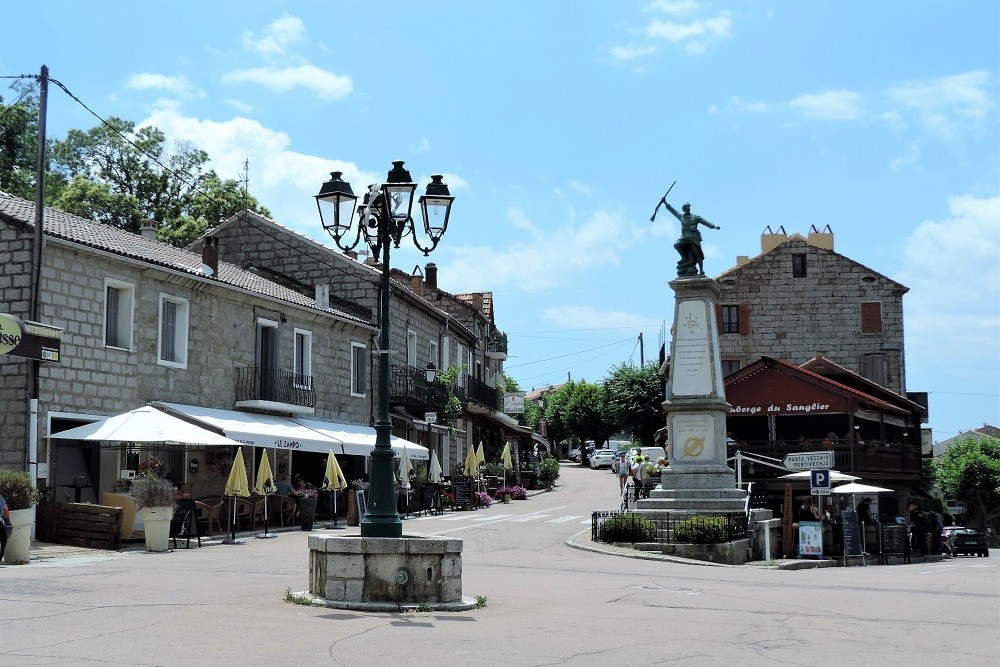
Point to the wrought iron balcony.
(259, 384)
(496, 345)
(482, 393)
(408, 387)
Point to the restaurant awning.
(306, 435)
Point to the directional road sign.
(808, 460)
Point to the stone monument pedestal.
(697, 479)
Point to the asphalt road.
(547, 604)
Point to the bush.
(152, 491)
(627, 528)
(17, 490)
(548, 471)
(493, 469)
(701, 530)
(516, 492)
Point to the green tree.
(19, 141)
(969, 472)
(634, 398)
(586, 415)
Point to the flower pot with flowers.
(21, 497)
(155, 499)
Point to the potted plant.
(155, 499)
(548, 472)
(21, 496)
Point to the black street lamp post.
(383, 219)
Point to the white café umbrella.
(405, 468)
(434, 472)
(854, 487)
(146, 424)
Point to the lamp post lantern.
(383, 219)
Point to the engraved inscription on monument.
(692, 438)
(691, 365)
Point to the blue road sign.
(819, 480)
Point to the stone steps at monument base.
(727, 493)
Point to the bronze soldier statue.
(688, 245)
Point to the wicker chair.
(282, 507)
(209, 512)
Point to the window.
(173, 331)
(730, 319)
(268, 387)
(730, 366)
(873, 367)
(303, 358)
(799, 265)
(432, 350)
(411, 347)
(118, 308)
(359, 369)
(871, 317)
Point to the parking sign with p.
(819, 480)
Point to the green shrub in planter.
(701, 530)
(17, 490)
(627, 528)
(548, 471)
(493, 470)
(152, 491)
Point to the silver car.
(602, 458)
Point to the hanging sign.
(30, 340)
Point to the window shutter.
(744, 319)
(718, 318)
(871, 317)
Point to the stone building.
(425, 329)
(142, 321)
(799, 298)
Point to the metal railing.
(667, 529)
(259, 383)
(482, 393)
(408, 385)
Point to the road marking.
(564, 519)
(529, 517)
(486, 523)
(490, 518)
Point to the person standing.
(623, 470)
(865, 510)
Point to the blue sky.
(559, 126)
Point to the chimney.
(417, 284)
(323, 297)
(147, 229)
(477, 300)
(431, 275)
(352, 254)
(210, 257)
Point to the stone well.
(386, 574)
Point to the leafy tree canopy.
(118, 175)
(969, 472)
(634, 398)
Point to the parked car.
(969, 541)
(651, 453)
(5, 527)
(576, 453)
(946, 533)
(602, 458)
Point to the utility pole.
(642, 356)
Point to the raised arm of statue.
(672, 210)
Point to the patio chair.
(282, 507)
(209, 512)
(249, 510)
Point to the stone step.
(695, 506)
(698, 493)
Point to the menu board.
(430, 498)
(463, 492)
(852, 535)
(894, 540)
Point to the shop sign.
(11, 333)
(787, 408)
(30, 340)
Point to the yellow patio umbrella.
(236, 485)
(265, 485)
(480, 455)
(333, 481)
(507, 463)
(470, 463)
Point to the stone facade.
(798, 299)
(94, 379)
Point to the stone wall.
(794, 318)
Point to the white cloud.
(946, 102)
(275, 39)
(676, 7)
(952, 268)
(177, 85)
(631, 52)
(830, 104)
(589, 317)
(582, 188)
(696, 35)
(282, 79)
(740, 106)
(239, 105)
